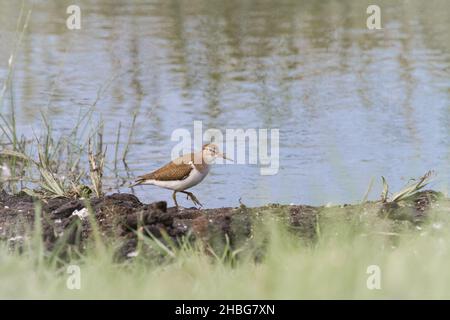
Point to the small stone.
(82, 214)
(133, 254)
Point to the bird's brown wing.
(179, 169)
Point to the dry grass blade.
(49, 181)
(130, 136)
(369, 188)
(51, 184)
(385, 192)
(96, 165)
(408, 191)
(17, 154)
(13, 54)
(412, 188)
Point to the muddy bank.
(122, 216)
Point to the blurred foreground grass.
(413, 261)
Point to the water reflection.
(351, 104)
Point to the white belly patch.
(194, 178)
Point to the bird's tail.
(136, 183)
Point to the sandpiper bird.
(183, 172)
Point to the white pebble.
(133, 254)
(83, 213)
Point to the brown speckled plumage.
(178, 169)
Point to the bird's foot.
(194, 199)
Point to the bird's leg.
(193, 198)
(175, 198)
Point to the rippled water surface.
(351, 104)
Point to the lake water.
(351, 104)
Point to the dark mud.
(122, 217)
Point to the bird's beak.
(222, 155)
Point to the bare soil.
(121, 216)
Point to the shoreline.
(122, 216)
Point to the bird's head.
(211, 152)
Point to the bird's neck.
(200, 162)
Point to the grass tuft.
(409, 191)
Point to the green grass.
(413, 262)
